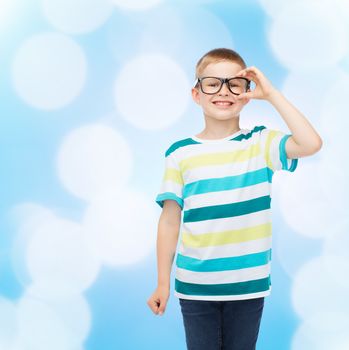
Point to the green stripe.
(247, 136)
(227, 210)
(223, 264)
(247, 287)
(178, 144)
(227, 183)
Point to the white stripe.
(171, 186)
(275, 152)
(223, 297)
(230, 223)
(195, 149)
(226, 250)
(219, 277)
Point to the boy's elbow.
(317, 146)
(314, 148)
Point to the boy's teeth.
(224, 103)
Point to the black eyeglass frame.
(223, 80)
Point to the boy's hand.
(158, 300)
(263, 89)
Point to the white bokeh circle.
(303, 205)
(54, 325)
(123, 35)
(49, 249)
(152, 92)
(335, 254)
(121, 228)
(58, 251)
(7, 13)
(77, 16)
(300, 24)
(162, 31)
(316, 290)
(200, 28)
(335, 105)
(322, 331)
(136, 4)
(29, 217)
(49, 70)
(272, 7)
(287, 242)
(8, 323)
(308, 90)
(334, 169)
(94, 159)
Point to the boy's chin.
(225, 116)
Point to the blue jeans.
(217, 325)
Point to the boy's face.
(222, 105)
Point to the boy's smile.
(223, 103)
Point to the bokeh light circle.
(152, 92)
(77, 16)
(93, 159)
(49, 70)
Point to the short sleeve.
(172, 182)
(274, 149)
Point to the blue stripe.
(227, 183)
(223, 264)
(283, 155)
(168, 195)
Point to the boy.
(221, 179)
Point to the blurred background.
(92, 93)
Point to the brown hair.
(216, 55)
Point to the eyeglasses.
(212, 85)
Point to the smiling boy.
(221, 179)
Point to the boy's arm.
(304, 140)
(167, 238)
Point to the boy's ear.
(195, 95)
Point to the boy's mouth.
(223, 103)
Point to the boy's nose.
(224, 90)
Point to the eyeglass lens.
(213, 85)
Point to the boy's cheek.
(244, 100)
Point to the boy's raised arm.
(305, 140)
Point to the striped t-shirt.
(224, 189)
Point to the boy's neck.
(217, 129)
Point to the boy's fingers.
(162, 307)
(161, 310)
(241, 96)
(154, 304)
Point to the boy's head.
(218, 99)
